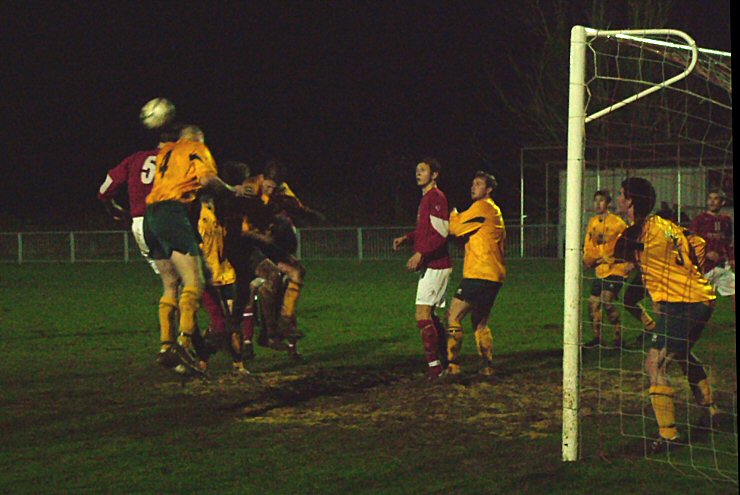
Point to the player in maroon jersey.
(716, 229)
(137, 172)
(432, 260)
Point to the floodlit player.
(183, 168)
(279, 242)
(239, 215)
(432, 260)
(598, 252)
(716, 229)
(137, 173)
(670, 273)
(482, 228)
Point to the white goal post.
(577, 119)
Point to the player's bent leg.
(296, 273)
(698, 380)
(287, 327)
(270, 300)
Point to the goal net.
(648, 104)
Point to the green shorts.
(167, 228)
(679, 326)
(478, 292)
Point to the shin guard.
(431, 347)
(484, 343)
(441, 339)
(247, 325)
(647, 321)
(454, 348)
(661, 398)
(211, 303)
(167, 311)
(189, 304)
(290, 299)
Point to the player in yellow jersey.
(183, 168)
(482, 228)
(671, 276)
(598, 252)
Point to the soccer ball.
(157, 112)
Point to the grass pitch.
(86, 410)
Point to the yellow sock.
(661, 397)
(454, 348)
(647, 321)
(189, 304)
(290, 299)
(167, 307)
(484, 343)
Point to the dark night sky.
(331, 88)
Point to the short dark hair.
(605, 194)
(433, 163)
(642, 194)
(234, 173)
(489, 178)
(275, 170)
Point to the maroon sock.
(213, 307)
(431, 348)
(248, 323)
(441, 339)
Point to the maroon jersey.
(432, 227)
(137, 171)
(717, 231)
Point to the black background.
(349, 94)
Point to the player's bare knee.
(423, 312)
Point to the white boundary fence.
(360, 243)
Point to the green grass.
(84, 409)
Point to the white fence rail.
(361, 243)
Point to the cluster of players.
(227, 241)
(224, 241)
(681, 268)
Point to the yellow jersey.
(601, 238)
(212, 233)
(483, 226)
(180, 167)
(668, 264)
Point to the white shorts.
(722, 279)
(137, 228)
(432, 287)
